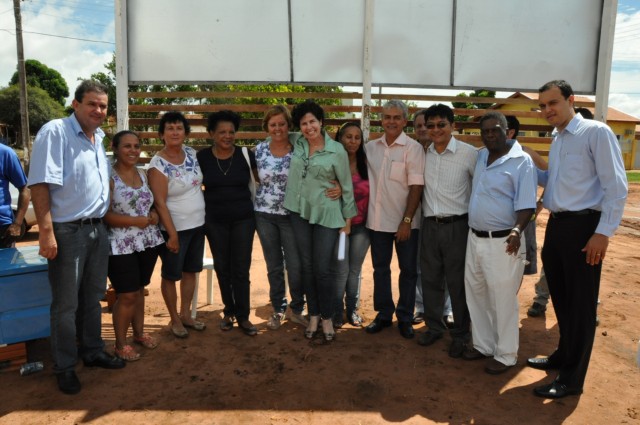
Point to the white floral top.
(274, 173)
(184, 196)
(134, 202)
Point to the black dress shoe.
(494, 367)
(456, 348)
(542, 363)
(473, 354)
(427, 338)
(418, 318)
(248, 328)
(377, 325)
(555, 390)
(68, 382)
(106, 361)
(406, 330)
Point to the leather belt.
(494, 234)
(565, 214)
(83, 221)
(448, 219)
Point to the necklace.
(131, 177)
(224, 172)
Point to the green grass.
(633, 176)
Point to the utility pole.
(22, 78)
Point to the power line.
(59, 36)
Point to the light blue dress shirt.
(499, 190)
(586, 172)
(76, 170)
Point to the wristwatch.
(407, 220)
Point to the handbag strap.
(245, 152)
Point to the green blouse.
(310, 177)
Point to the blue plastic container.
(25, 295)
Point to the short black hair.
(173, 117)
(439, 110)
(304, 108)
(587, 114)
(565, 88)
(87, 86)
(513, 124)
(223, 116)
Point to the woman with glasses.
(317, 161)
(357, 243)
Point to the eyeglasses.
(440, 125)
(306, 166)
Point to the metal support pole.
(605, 55)
(122, 66)
(367, 68)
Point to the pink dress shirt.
(392, 169)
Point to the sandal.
(226, 324)
(178, 333)
(196, 326)
(146, 340)
(126, 353)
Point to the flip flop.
(146, 340)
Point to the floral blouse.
(273, 172)
(184, 196)
(134, 202)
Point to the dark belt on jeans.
(448, 219)
(83, 221)
(494, 234)
(565, 214)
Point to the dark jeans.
(443, 249)
(532, 248)
(280, 250)
(349, 270)
(231, 245)
(574, 287)
(316, 248)
(382, 244)
(78, 279)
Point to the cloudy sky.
(76, 37)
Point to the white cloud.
(72, 58)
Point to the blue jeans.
(279, 249)
(231, 245)
(78, 279)
(349, 270)
(382, 244)
(316, 248)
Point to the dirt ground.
(278, 377)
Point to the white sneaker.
(275, 320)
(299, 319)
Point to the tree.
(41, 76)
(470, 105)
(42, 108)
